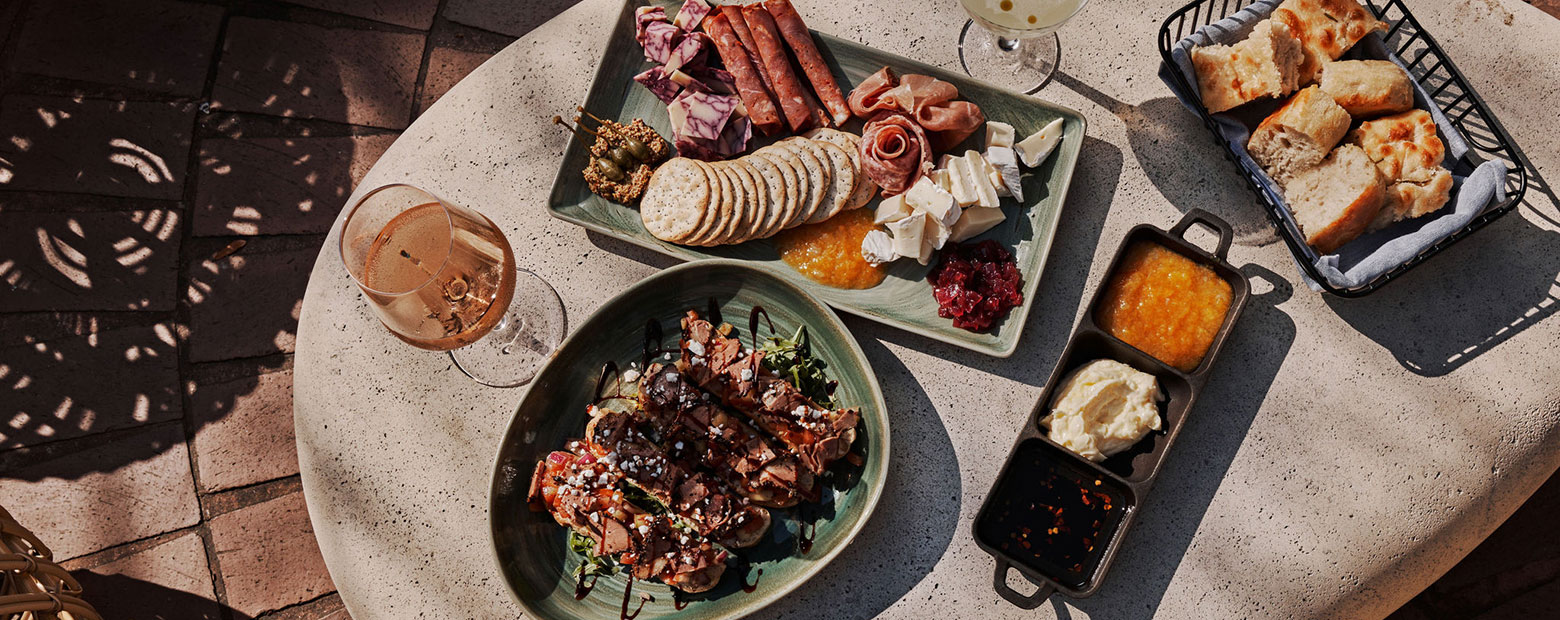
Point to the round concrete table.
(1344, 455)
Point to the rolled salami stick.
(750, 87)
(801, 41)
(733, 13)
(788, 89)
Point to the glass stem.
(1007, 45)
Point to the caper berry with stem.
(640, 150)
(622, 158)
(608, 169)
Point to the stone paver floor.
(168, 170)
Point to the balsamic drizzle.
(753, 324)
(608, 371)
(752, 587)
(678, 602)
(581, 590)
(628, 590)
(652, 346)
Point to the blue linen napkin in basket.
(1474, 188)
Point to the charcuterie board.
(904, 298)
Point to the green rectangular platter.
(904, 299)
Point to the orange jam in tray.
(829, 252)
(1165, 304)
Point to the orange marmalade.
(1165, 304)
(829, 252)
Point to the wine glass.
(1016, 46)
(443, 277)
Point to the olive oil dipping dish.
(1058, 518)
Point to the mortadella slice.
(818, 73)
(771, 48)
(750, 88)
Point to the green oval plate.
(532, 550)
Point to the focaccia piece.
(1410, 200)
(1326, 29)
(1265, 64)
(1404, 146)
(1368, 88)
(1299, 135)
(1334, 202)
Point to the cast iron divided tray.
(1126, 476)
(1431, 67)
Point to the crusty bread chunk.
(1405, 146)
(1265, 64)
(1335, 201)
(1326, 29)
(1299, 135)
(1368, 88)
(1408, 153)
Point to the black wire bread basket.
(1427, 64)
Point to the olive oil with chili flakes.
(1051, 515)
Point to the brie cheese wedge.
(933, 238)
(878, 248)
(999, 134)
(892, 209)
(1035, 148)
(964, 178)
(981, 181)
(976, 220)
(1006, 163)
(925, 196)
(907, 236)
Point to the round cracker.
(752, 208)
(771, 207)
(800, 186)
(742, 213)
(675, 200)
(814, 164)
(842, 174)
(721, 191)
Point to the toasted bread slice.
(1408, 153)
(1335, 201)
(1265, 64)
(1368, 88)
(1326, 29)
(1299, 135)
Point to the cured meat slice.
(789, 92)
(818, 73)
(733, 14)
(581, 493)
(817, 435)
(894, 152)
(927, 100)
(702, 500)
(750, 88)
(723, 444)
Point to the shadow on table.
(105, 303)
(1180, 158)
(119, 596)
(1214, 433)
(915, 520)
(1061, 289)
(1474, 295)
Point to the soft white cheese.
(985, 188)
(907, 236)
(975, 221)
(1102, 408)
(933, 237)
(925, 196)
(878, 248)
(1006, 163)
(940, 176)
(964, 178)
(1035, 148)
(999, 134)
(892, 209)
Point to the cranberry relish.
(975, 285)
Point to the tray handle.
(1219, 226)
(1023, 602)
